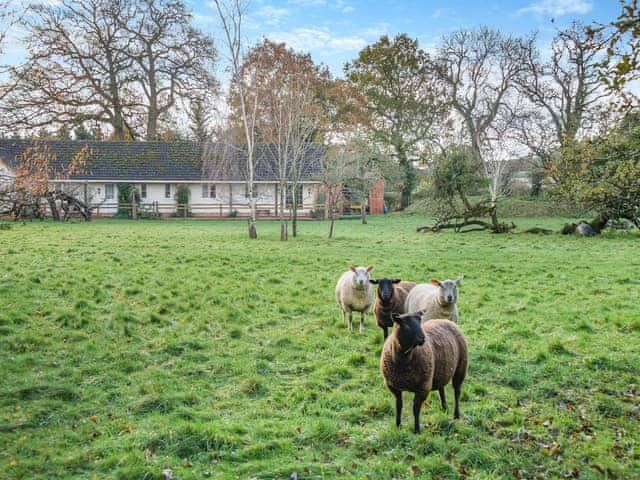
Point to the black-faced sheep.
(354, 293)
(436, 299)
(391, 297)
(420, 357)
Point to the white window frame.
(109, 191)
(209, 190)
(167, 190)
(143, 190)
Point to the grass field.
(130, 348)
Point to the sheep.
(390, 299)
(354, 293)
(436, 300)
(420, 357)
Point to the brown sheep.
(420, 357)
(390, 299)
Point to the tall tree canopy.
(564, 92)
(602, 173)
(480, 67)
(403, 101)
(621, 64)
(117, 62)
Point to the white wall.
(199, 205)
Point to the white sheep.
(355, 293)
(436, 299)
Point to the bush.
(182, 199)
(124, 199)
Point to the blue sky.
(334, 31)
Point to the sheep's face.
(361, 276)
(448, 290)
(409, 331)
(385, 289)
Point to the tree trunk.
(409, 179)
(329, 207)
(363, 212)
(253, 233)
(294, 216)
(284, 227)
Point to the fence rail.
(200, 209)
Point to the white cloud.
(308, 2)
(348, 9)
(272, 15)
(308, 39)
(442, 13)
(558, 8)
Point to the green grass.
(128, 348)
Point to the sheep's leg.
(398, 395)
(456, 394)
(418, 400)
(361, 322)
(443, 400)
(350, 321)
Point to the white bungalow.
(214, 174)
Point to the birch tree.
(232, 14)
(289, 114)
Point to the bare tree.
(480, 68)
(170, 58)
(335, 168)
(565, 92)
(76, 68)
(289, 114)
(232, 14)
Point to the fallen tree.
(457, 174)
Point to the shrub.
(182, 199)
(125, 190)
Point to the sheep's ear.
(395, 317)
(459, 279)
(396, 280)
(369, 268)
(371, 280)
(435, 282)
(352, 268)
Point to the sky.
(334, 31)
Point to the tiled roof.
(168, 161)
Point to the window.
(143, 190)
(246, 191)
(167, 190)
(108, 191)
(298, 196)
(208, 190)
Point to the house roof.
(163, 161)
